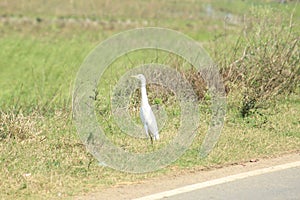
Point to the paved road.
(276, 178)
(279, 185)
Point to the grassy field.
(44, 43)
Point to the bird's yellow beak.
(134, 76)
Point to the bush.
(263, 63)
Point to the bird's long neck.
(144, 94)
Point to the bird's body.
(146, 113)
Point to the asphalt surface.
(279, 185)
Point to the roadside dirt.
(182, 178)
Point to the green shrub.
(264, 62)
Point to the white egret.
(146, 113)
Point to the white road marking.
(227, 179)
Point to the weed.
(264, 62)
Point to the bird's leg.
(147, 133)
(151, 139)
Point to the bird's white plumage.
(146, 113)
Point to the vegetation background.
(43, 43)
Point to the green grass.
(41, 153)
